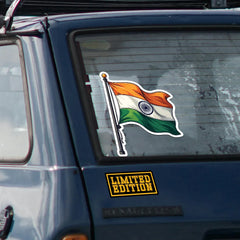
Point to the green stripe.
(153, 125)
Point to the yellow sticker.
(131, 184)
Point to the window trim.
(89, 116)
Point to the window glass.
(168, 93)
(14, 137)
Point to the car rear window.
(163, 93)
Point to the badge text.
(127, 184)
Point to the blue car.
(120, 120)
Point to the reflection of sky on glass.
(6, 55)
(14, 143)
(200, 70)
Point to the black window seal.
(89, 116)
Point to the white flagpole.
(115, 125)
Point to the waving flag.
(151, 110)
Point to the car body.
(64, 180)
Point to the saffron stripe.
(154, 97)
(152, 125)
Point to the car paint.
(63, 189)
(207, 191)
(49, 185)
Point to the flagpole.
(113, 117)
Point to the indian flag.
(152, 110)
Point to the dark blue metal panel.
(144, 18)
(47, 202)
(208, 193)
(47, 193)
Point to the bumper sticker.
(131, 184)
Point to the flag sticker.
(129, 103)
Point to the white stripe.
(160, 113)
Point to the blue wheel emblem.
(145, 107)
